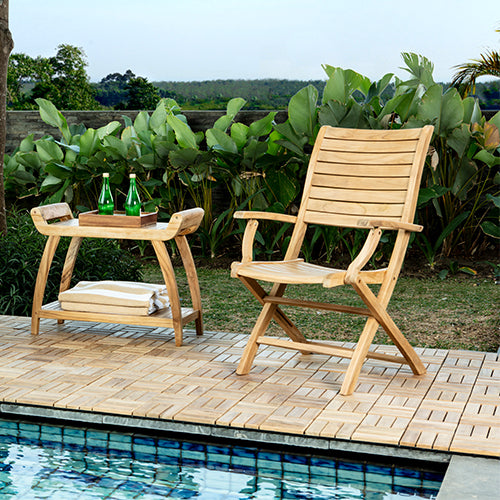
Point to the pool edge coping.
(477, 477)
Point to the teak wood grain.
(355, 179)
(56, 221)
(135, 370)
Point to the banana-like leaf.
(184, 135)
(217, 139)
(109, 129)
(491, 229)
(49, 151)
(158, 118)
(58, 170)
(302, 111)
(445, 111)
(467, 170)
(89, 143)
(263, 126)
(50, 115)
(239, 134)
(141, 121)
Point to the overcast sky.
(182, 40)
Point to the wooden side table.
(56, 220)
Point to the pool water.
(48, 461)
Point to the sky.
(194, 40)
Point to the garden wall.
(22, 123)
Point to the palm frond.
(487, 65)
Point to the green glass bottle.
(105, 203)
(133, 202)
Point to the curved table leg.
(41, 281)
(69, 266)
(171, 283)
(192, 278)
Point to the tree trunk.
(6, 46)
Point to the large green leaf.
(58, 170)
(302, 111)
(50, 115)
(234, 106)
(217, 139)
(491, 229)
(283, 187)
(445, 111)
(431, 193)
(49, 183)
(109, 129)
(263, 126)
(159, 117)
(184, 135)
(49, 151)
(30, 160)
(141, 121)
(89, 143)
(459, 139)
(115, 146)
(467, 170)
(239, 134)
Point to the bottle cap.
(132, 176)
(105, 174)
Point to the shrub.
(20, 254)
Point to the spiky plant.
(488, 64)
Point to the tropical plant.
(488, 64)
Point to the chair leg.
(251, 348)
(279, 316)
(384, 319)
(358, 357)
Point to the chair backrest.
(364, 174)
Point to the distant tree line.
(64, 81)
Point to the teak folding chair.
(356, 179)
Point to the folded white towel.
(119, 297)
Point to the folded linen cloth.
(115, 297)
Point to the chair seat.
(291, 272)
(298, 272)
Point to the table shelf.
(162, 318)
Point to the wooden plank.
(358, 195)
(375, 146)
(354, 183)
(355, 208)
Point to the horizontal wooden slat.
(313, 217)
(342, 181)
(361, 134)
(362, 170)
(372, 196)
(355, 208)
(373, 146)
(160, 318)
(367, 158)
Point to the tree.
(111, 91)
(488, 64)
(142, 94)
(69, 85)
(6, 46)
(61, 79)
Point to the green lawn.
(456, 313)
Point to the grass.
(456, 313)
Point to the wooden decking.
(138, 371)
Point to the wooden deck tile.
(128, 370)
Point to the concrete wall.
(22, 123)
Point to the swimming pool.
(51, 461)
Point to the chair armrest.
(255, 214)
(185, 222)
(390, 224)
(253, 224)
(363, 256)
